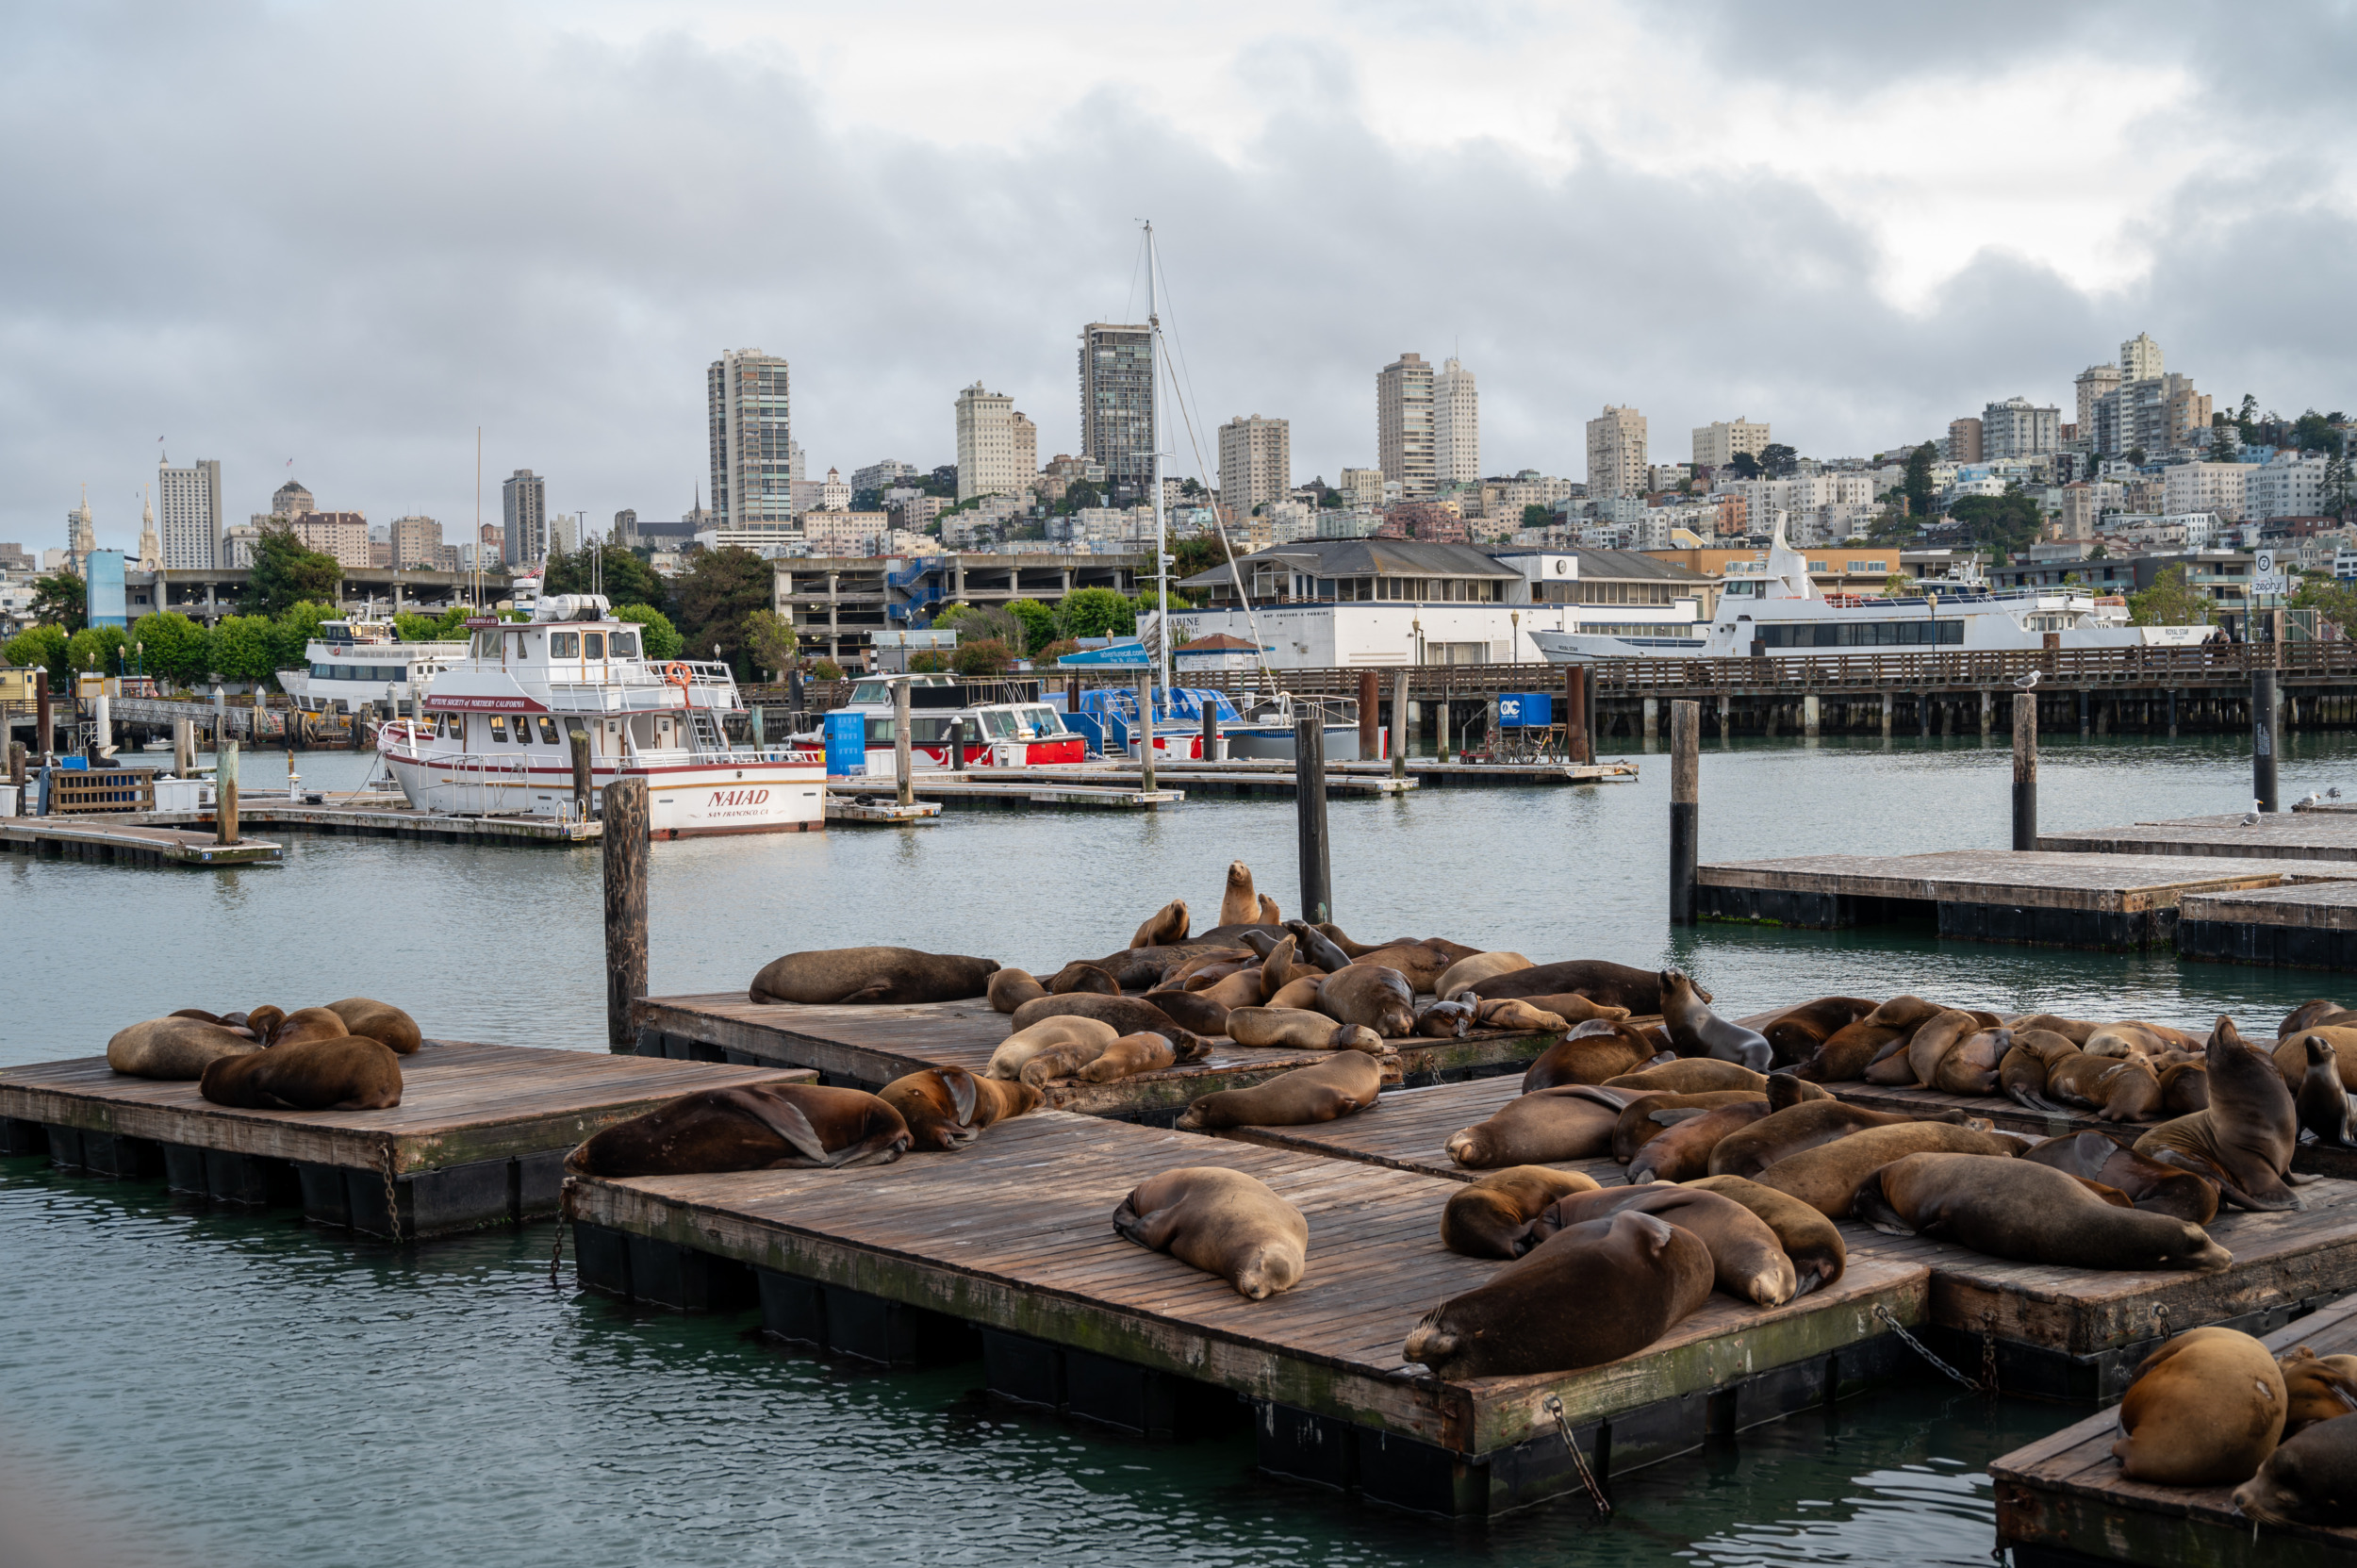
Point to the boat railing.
(647, 687)
(479, 784)
(640, 759)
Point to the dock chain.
(1597, 1500)
(2160, 1314)
(1988, 1352)
(393, 1197)
(564, 1214)
(1922, 1349)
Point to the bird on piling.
(2029, 682)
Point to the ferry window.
(318, 672)
(593, 645)
(930, 732)
(1043, 721)
(547, 730)
(1002, 725)
(879, 732)
(499, 727)
(624, 644)
(563, 645)
(871, 691)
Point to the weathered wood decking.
(2306, 925)
(2276, 835)
(383, 818)
(2061, 1500)
(127, 843)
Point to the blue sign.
(101, 594)
(1518, 710)
(847, 743)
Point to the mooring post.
(1890, 703)
(1145, 721)
(901, 759)
(1685, 745)
(2172, 713)
(1984, 713)
(756, 720)
(1317, 871)
(2026, 770)
(1211, 724)
(45, 732)
(2263, 782)
(1370, 716)
(1651, 713)
(183, 746)
(16, 775)
(1812, 717)
(224, 791)
(624, 846)
(1579, 714)
(1399, 725)
(578, 738)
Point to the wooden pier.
(2062, 1502)
(2307, 925)
(1012, 1243)
(2295, 835)
(126, 842)
(1015, 788)
(384, 820)
(878, 811)
(479, 1137)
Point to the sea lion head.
(262, 1022)
(1239, 876)
(1356, 1037)
(1470, 1147)
(1269, 1270)
(2319, 1050)
(1185, 1045)
(2193, 1248)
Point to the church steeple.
(150, 547)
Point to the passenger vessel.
(948, 729)
(354, 666)
(494, 738)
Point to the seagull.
(2027, 682)
(2250, 820)
(2334, 793)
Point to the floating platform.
(2276, 835)
(1273, 779)
(879, 810)
(128, 843)
(2038, 897)
(1011, 1242)
(869, 1047)
(2304, 925)
(480, 1137)
(382, 820)
(2062, 1502)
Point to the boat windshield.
(1043, 720)
(622, 645)
(999, 723)
(871, 691)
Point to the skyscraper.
(416, 542)
(290, 500)
(2140, 359)
(524, 518)
(1456, 426)
(1715, 444)
(2019, 428)
(749, 397)
(1255, 463)
(191, 515)
(990, 457)
(1616, 453)
(1403, 424)
(2094, 383)
(1118, 403)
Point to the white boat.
(494, 738)
(356, 665)
(1266, 729)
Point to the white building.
(1715, 444)
(2289, 484)
(1616, 453)
(748, 410)
(1824, 507)
(833, 494)
(1456, 426)
(2019, 428)
(1256, 464)
(1403, 424)
(997, 447)
(2205, 488)
(190, 497)
(1361, 486)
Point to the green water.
(185, 1385)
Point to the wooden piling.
(2026, 770)
(578, 739)
(44, 730)
(1370, 716)
(902, 760)
(183, 746)
(2263, 781)
(1145, 724)
(1399, 725)
(1578, 714)
(1317, 871)
(625, 849)
(1686, 739)
(16, 775)
(225, 791)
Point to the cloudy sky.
(348, 234)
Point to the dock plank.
(2103, 884)
(2276, 835)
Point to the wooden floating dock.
(876, 810)
(129, 843)
(1233, 779)
(480, 1137)
(384, 820)
(2276, 835)
(2062, 1502)
(2040, 897)
(2307, 925)
(869, 1047)
(1011, 1242)
(1013, 787)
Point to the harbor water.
(194, 1385)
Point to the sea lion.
(1133, 1054)
(2021, 1076)
(752, 1127)
(1797, 1033)
(1682, 1150)
(1318, 948)
(1343, 945)
(1064, 1059)
(1635, 1277)
(1128, 1014)
(1919, 1063)
(305, 1024)
(1300, 1030)
(1163, 926)
(2322, 1104)
(1084, 980)
(1208, 966)
(1491, 1215)
(948, 1108)
(871, 976)
(1970, 1066)
(1445, 1020)
(2185, 1088)
(381, 1021)
(175, 1047)
(1373, 996)
(1241, 989)
(1238, 905)
(338, 1072)
(1747, 1262)
(2315, 1388)
(1570, 1006)
(2027, 1212)
(1421, 964)
(2109, 1159)
(1191, 1010)
(1300, 995)
(1223, 1222)
(1808, 1238)
(1346, 1082)
(1612, 985)
(1789, 1129)
(1269, 913)
(1846, 1052)
(1698, 1075)
(1007, 1061)
(2291, 1054)
(2117, 1090)
(1696, 1031)
(2244, 1141)
(1642, 1120)
(1277, 970)
(1593, 1053)
(2204, 1409)
(1466, 973)
(2310, 1478)
(2307, 1016)
(1827, 1177)
(1010, 988)
(1573, 1122)
(1517, 1014)
(2076, 1031)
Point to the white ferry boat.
(494, 738)
(355, 664)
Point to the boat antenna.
(1154, 440)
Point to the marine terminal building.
(1328, 603)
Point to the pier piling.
(1399, 725)
(1145, 721)
(1370, 717)
(900, 758)
(224, 791)
(2263, 782)
(1686, 739)
(44, 732)
(183, 746)
(578, 738)
(16, 775)
(1211, 729)
(2026, 770)
(1317, 871)
(624, 844)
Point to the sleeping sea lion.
(1797, 1033)
(1421, 964)
(1635, 1277)
(1970, 1066)
(1643, 1120)
(2321, 1103)
(1919, 1063)
(1301, 994)
(1084, 980)
(1343, 944)
(2027, 1212)
(752, 1127)
(2185, 1088)
(1698, 1075)
(1593, 1053)
(382, 1022)
(948, 1108)
(1166, 925)
(1747, 1262)
(2316, 1388)
(1568, 1005)
(1612, 985)
(1827, 1177)
(1466, 973)
(1010, 988)
(1128, 1014)
(1016, 1050)
(1850, 1050)
(2021, 1076)
(1223, 1222)
(1133, 1054)
(1681, 1151)
(304, 1024)
(2307, 1016)
(1573, 1122)
(2204, 1409)
(2244, 1141)
(1808, 1238)
(1696, 1031)
(1789, 1130)
(175, 1047)
(1444, 1020)
(1240, 989)
(865, 976)
(1238, 905)
(338, 1072)
(1064, 1059)
(2117, 1090)
(1345, 1082)
(1191, 1010)
(2308, 1479)
(2109, 1159)
(1517, 1014)
(1491, 1215)
(1372, 996)
(1300, 1029)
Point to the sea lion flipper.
(874, 990)
(1671, 1117)
(964, 1095)
(784, 1118)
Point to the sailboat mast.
(1154, 435)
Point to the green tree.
(714, 596)
(285, 573)
(173, 648)
(1743, 465)
(449, 626)
(662, 638)
(61, 600)
(1919, 488)
(772, 640)
(1082, 492)
(608, 569)
(1099, 613)
(245, 648)
(1897, 585)
(2007, 523)
(2222, 450)
(39, 647)
(294, 629)
(2247, 419)
(982, 622)
(982, 657)
(2332, 599)
(2314, 432)
(2171, 600)
(2336, 485)
(1537, 515)
(1778, 461)
(1039, 623)
(95, 648)
(1197, 554)
(2136, 456)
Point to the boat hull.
(687, 801)
(1272, 744)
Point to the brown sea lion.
(1590, 1053)
(2321, 1103)
(2076, 1031)
(1277, 970)
(1573, 1122)
(2026, 1213)
(1064, 1059)
(1223, 1222)
(1163, 926)
(948, 1108)
(871, 976)
(2021, 1076)
(1202, 968)
(1444, 1020)
(1696, 1031)
(1346, 1082)
(1697, 1075)
(2204, 1409)
(1789, 1129)
(1517, 1014)
(1241, 989)
(1847, 1051)
(1239, 904)
(1970, 1066)
(1421, 964)
(2308, 1479)
(2244, 1141)
(2291, 1055)
(1130, 1055)
(1797, 1033)
(2117, 1090)
(1269, 913)
(1084, 980)
(1013, 1052)
(1190, 1011)
(1682, 1150)
(381, 1021)
(1926, 1048)
(1468, 973)
(338, 1072)
(2185, 1088)
(1568, 1005)
(305, 1024)
(1299, 1030)
(1808, 1238)
(1635, 1277)
(2110, 1158)
(752, 1127)
(2307, 1016)
(1372, 996)
(1128, 1014)
(1827, 1177)
(1611, 984)
(175, 1047)
(1343, 944)
(1301, 994)
(1010, 988)
(1491, 1215)
(1747, 1261)
(2316, 1388)
(1642, 1120)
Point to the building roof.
(1631, 564)
(1364, 558)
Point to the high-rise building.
(748, 398)
(1616, 453)
(525, 518)
(81, 538)
(2017, 428)
(290, 500)
(2093, 384)
(416, 542)
(1456, 426)
(1715, 444)
(1256, 464)
(2155, 415)
(2140, 359)
(1403, 424)
(1965, 440)
(190, 497)
(883, 476)
(1361, 486)
(1025, 453)
(989, 458)
(1118, 403)
(342, 535)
